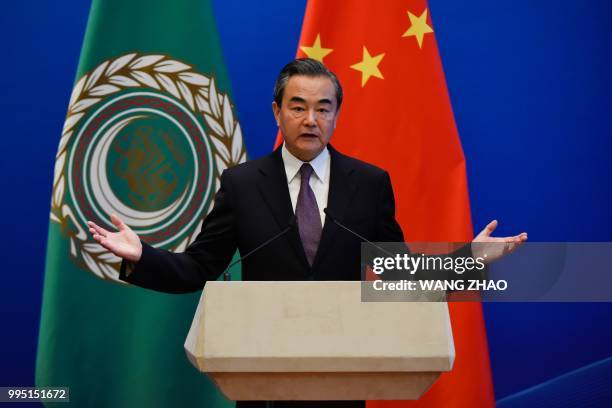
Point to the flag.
(397, 114)
(149, 129)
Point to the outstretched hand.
(124, 243)
(493, 248)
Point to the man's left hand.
(493, 248)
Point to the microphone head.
(328, 213)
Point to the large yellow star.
(369, 66)
(418, 27)
(316, 51)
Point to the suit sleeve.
(203, 260)
(388, 229)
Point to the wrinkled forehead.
(310, 89)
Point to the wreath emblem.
(122, 92)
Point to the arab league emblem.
(145, 138)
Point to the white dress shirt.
(319, 181)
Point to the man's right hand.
(124, 243)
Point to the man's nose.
(310, 119)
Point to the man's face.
(307, 115)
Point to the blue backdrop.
(530, 87)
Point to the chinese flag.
(397, 114)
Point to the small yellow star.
(316, 51)
(369, 66)
(418, 27)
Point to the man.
(285, 191)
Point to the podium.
(317, 341)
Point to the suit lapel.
(341, 190)
(275, 192)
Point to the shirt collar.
(293, 164)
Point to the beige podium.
(317, 341)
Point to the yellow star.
(369, 66)
(418, 27)
(316, 51)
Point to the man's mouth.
(309, 135)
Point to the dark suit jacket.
(253, 204)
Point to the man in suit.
(284, 193)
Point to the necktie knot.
(306, 171)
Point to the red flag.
(396, 114)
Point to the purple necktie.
(308, 217)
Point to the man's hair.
(308, 67)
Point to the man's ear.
(276, 111)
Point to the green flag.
(149, 129)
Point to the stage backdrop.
(529, 86)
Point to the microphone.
(361, 237)
(227, 276)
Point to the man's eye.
(323, 110)
(298, 109)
